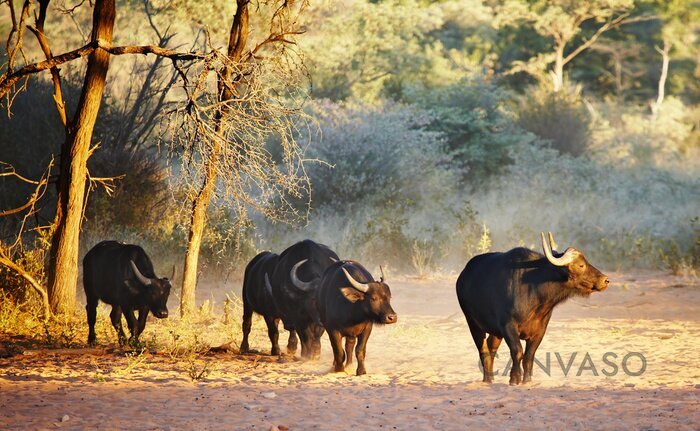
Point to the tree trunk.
(557, 71)
(662, 79)
(237, 40)
(197, 224)
(63, 258)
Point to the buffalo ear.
(352, 294)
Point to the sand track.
(423, 375)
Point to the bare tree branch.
(11, 78)
(609, 25)
(7, 262)
(17, 31)
(6, 251)
(44, 44)
(10, 171)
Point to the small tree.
(564, 22)
(73, 173)
(224, 130)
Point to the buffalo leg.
(479, 337)
(247, 324)
(91, 309)
(349, 347)
(116, 316)
(274, 334)
(529, 356)
(316, 331)
(338, 352)
(292, 342)
(530, 350)
(141, 324)
(309, 343)
(133, 325)
(361, 349)
(493, 344)
(516, 353)
(303, 340)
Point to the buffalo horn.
(362, 287)
(552, 244)
(564, 260)
(301, 285)
(143, 280)
(381, 269)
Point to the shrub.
(392, 185)
(472, 117)
(620, 216)
(560, 118)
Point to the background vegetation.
(435, 133)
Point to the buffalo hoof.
(361, 371)
(338, 368)
(275, 351)
(515, 379)
(488, 380)
(92, 342)
(527, 379)
(135, 343)
(245, 348)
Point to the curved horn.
(552, 244)
(564, 260)
(381, 269)
(301, 285)
(143, 280)
(334, 260)
(268, 286)
(362, 287)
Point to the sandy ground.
(423, 374)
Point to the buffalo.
(293, 284)
(511, 295)
(122, 276)
(257, 297)
(350, 302)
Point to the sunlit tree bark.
(221, 147)
(63, 258)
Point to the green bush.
(559, 118)
(472, 116)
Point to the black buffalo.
(350, 302)
(122, 275)
(511, 295)
(257, 297)
(293, 283)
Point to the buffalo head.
(582, 275)
(154, 290)
(374, 297)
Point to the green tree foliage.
(563, 23)
(368, 51)
(472, 114)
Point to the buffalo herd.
(508, 295)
